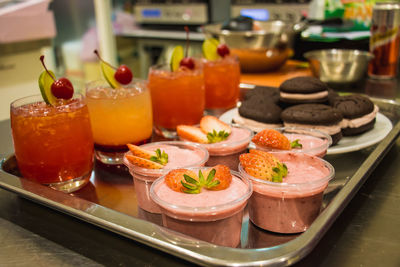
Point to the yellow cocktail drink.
(118, 117)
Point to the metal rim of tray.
(192, 249)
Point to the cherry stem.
(98, 55)
(42, 59)
(187, 40)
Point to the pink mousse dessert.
(180, 155)
(224, 142)
(313, 142)
(211, 215)
(292, 205)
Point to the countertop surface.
(365, 234)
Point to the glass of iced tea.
(178, 97)
(53, 144)
(118, 116)
(221, 79)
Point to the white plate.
(348, 143)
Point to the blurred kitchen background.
(144, 31)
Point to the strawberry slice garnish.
(144, 163)
(222, 175)
(186, 181)
(140, 152)
(156, 156)
(175, 178)
(210, 123)
(263, 165)
(272, 139)
(215, 129)
(191, 133)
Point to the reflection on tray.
(113, 187)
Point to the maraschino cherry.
(60, 88)
(223, 50)
(187, 62)
(122, 74)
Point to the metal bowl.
(339, 65)
(265, 48)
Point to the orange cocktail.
(53, 144)
(221, 79)
(119, 116)
(177, 97)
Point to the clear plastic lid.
(206, 213)
(294, 189)
(314, 142)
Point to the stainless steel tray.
(109, 201)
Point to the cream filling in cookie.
(357, 122)
(329, 129)
(255, 126)
(318, 95)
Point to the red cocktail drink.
(177, 97)
(53, 144)
(221, 79)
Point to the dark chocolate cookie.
(267, 93)
(353, 106)
(303, 85)
(332, 94)
(314, 114)
(261, 110)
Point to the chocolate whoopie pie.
(304, 89)
(316, 116)
(259, 113)
(267, 93)
(358, 111)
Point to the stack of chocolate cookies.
(308, 103)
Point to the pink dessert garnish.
(147, 159)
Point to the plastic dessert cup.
(53, 144)
(314, 142)
(221, 80)
(212, 216)
(180, 155)
(291, 206)
(178, 97)
(118, 116)
(227, 152)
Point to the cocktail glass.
(53, 144)
(221, 79)
(118, 116)
(177, 98)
